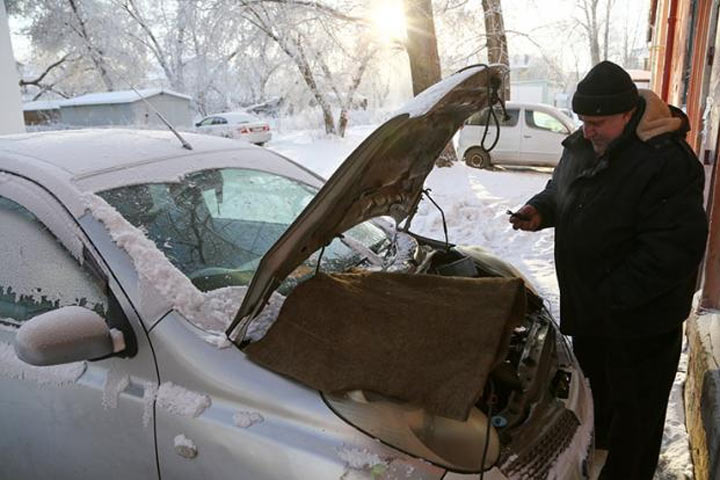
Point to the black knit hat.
(607, 89)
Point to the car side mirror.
(197, 124)
(68, 334)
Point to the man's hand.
(527, 218)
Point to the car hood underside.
(384, 176)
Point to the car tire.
(478, 157)
(260, 144)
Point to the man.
(626, 201)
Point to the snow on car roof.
(120, 96)
(237, 116)
(71, 162)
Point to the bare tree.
(95, 53)
(496, 38)
(305, 33)
(87, 33)
(421, 44)
(591, 25)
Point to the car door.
(85, 419)
(542, 135)
(507, 147)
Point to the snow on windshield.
(213, 310)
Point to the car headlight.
(448, 443)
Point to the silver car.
(135, 273)
(236, 125)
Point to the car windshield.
(215, 225)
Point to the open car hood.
(384, 176)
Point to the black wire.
(442, 214)
(493, 98)
(317, 267)
(491, 401)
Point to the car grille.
(532, 454)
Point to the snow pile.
(180, 401)
(219, 341)
(184, 446)
(247, 419)
(359, 458)
(149, 394)
(56, 375)
(115, 382)
(675, 461)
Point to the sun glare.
(389, 20)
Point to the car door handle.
(527, 136)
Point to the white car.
(138, 277)
(530, 134)
(236, 125)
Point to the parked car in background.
(126, 257)
(236, 125)
(530, 134)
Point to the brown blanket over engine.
(428, 340)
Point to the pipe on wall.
(667, 66)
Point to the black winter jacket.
(630, 228)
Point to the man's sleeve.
(670, 239)
(544, 202)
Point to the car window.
(225, 220)
(544, 121)
(207, 121)
(481, 117)
(219, 121)
(38, 274)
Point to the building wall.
(97, 115)
(696, 99)
(41, 117)
(680, 53)
(175, 109)
(658, 45)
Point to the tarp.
(425, 339)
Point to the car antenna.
(184, 142)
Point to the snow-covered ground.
(474, 202)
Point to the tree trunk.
(422, 52)
(349, 99)
(495, 37)
(608, 8)
(421, 44)
(304, 67)
(592, 29)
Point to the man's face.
(601, 130)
